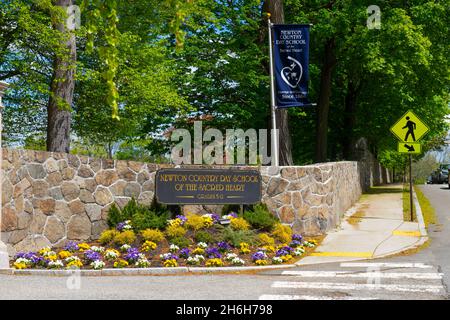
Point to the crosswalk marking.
(307, 297)
(346, 274)
(384, 265)
(357, 286)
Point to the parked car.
(441, 174)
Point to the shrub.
(260, 218)
(282, 232)
(203, 236)
(266, 240)
(141, 217)
(194, 222)
(239, 224)
(107, 236)
(235, 237)
(175, 231)
(181, 242)
(153, 235)
(126, 237)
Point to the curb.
(140, 271)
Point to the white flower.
(309, 244)
(125, 247)
(97, 249)
(165, 256)
(202, 245)
(111, 255)
(49, 253)
(231, 256)
(238, 262)
(174, 248)
(23, 260)
(298, 252)
(195, 259)
(199, 257)
(98, 264)
(277, 260)
(71, 258)
(56, 264)
(142, 263)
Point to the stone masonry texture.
(49, 199)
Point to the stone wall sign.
(208, 186)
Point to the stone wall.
(50, 198)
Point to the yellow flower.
(74, 263)
(83, 246)
(270, 248)
(175, 222)
(20, 265)
(120, 264)
(244, 248)
(52, 257)
(148, 245)
(43, 251)
(214, 263)
(207, 221)
(198, 251)
(286, 257)
(170, 263)
(261, 262)
(64, 254)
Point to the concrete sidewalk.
(373, 228)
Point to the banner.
(291, 59)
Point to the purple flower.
(182, 218)
(215, 217)
(281, 252)
(32, 256)
(259, 256)
(297, 237)
(132, 254)
(287, 248)
(184, 253)
(212, 253)
(295, 243)
(223, 246)
(92, 255)
(121, 225)
(168, 256)
(233, 214)
(71, 246)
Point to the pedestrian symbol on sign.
(411, 127)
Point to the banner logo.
(293, 74)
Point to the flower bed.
(209, 240)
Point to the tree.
(62, 86)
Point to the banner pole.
(274, 134)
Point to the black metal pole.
(410, 189)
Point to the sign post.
(409, 129)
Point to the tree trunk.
(323, 105)
(276, 10)
(62, 87)
(348, 139)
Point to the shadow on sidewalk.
(380, 190)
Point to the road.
(425, 275)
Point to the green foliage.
(203, 236)
(125, 237)
(181, 242)
(107, 236)
(153, 235)
(260, 218)
(235, 237)
(141, 217)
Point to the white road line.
(384, 265)
(305, 297)
(358, 286)
(346, 274)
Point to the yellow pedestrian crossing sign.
(411, 148)
(409, 128)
